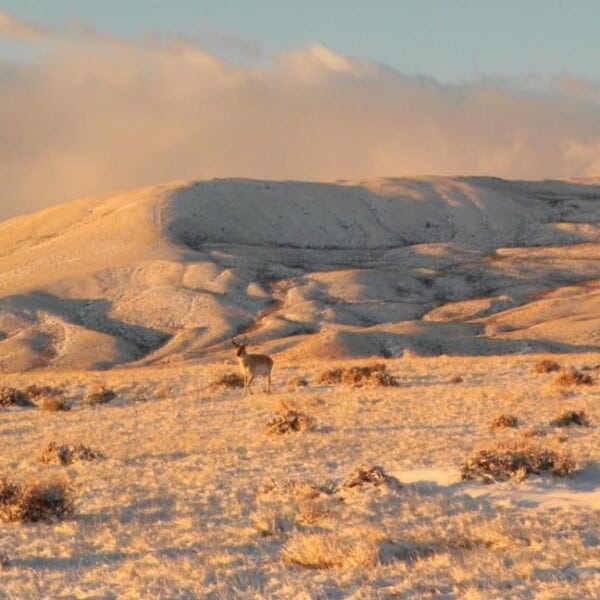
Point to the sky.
(97, 96)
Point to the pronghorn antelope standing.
(252, 365)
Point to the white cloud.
(99, 113)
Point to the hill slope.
(434, 265)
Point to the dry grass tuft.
(545, 366)
(364, 476)
(357, 376)
(283, 505)
(299, 488)
(330, 550)
(53, 403)
(290, 421)
(516, 460)
(35, 501)
(571, 376)
(67, 454)
(571, 417)
(13, 397)
(100, 395)
(228, 381)
(504, 421)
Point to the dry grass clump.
(545, 366)
(35, 501)
(358, 376)
(228, 381)
(516, 460)
(330, 550)
(101, 395)
(13, 397)
(571, 376)
(290, 421)
(66, 454)
(571, 417)
(364, 476)
(504, 421)
(286, 504)
(53, 403)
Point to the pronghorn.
(253, 365)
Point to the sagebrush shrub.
(101, 395)
(330, 377)
(10, 396)
(365, 476)
(571, 376)
(66, 454)
(289, 422)
(297, 382)
(516, 459)
(545, 366)
(504, 421)
(35, 501)
(35, 391)
(571, 417)
(358, 376)
(54, 403)
(228, 381)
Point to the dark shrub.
(290, 421)
(545, 366)
(571, 417)
(504, 421)
(516, 460)
(228, 381)
(13, 397)
(100, 396)
(572, 376)
(67, 454)
(35, 501)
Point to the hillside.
(433, 265)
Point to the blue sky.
(97, 96)
(449, 40)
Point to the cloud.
(96, 113)
(222, 42)
(17, 30)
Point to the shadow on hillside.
(92, 314)
(402, 212)
(435, 339)
(446, 254)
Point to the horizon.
(94, 100)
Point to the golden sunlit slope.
(435, 265)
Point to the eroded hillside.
(434, 265)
